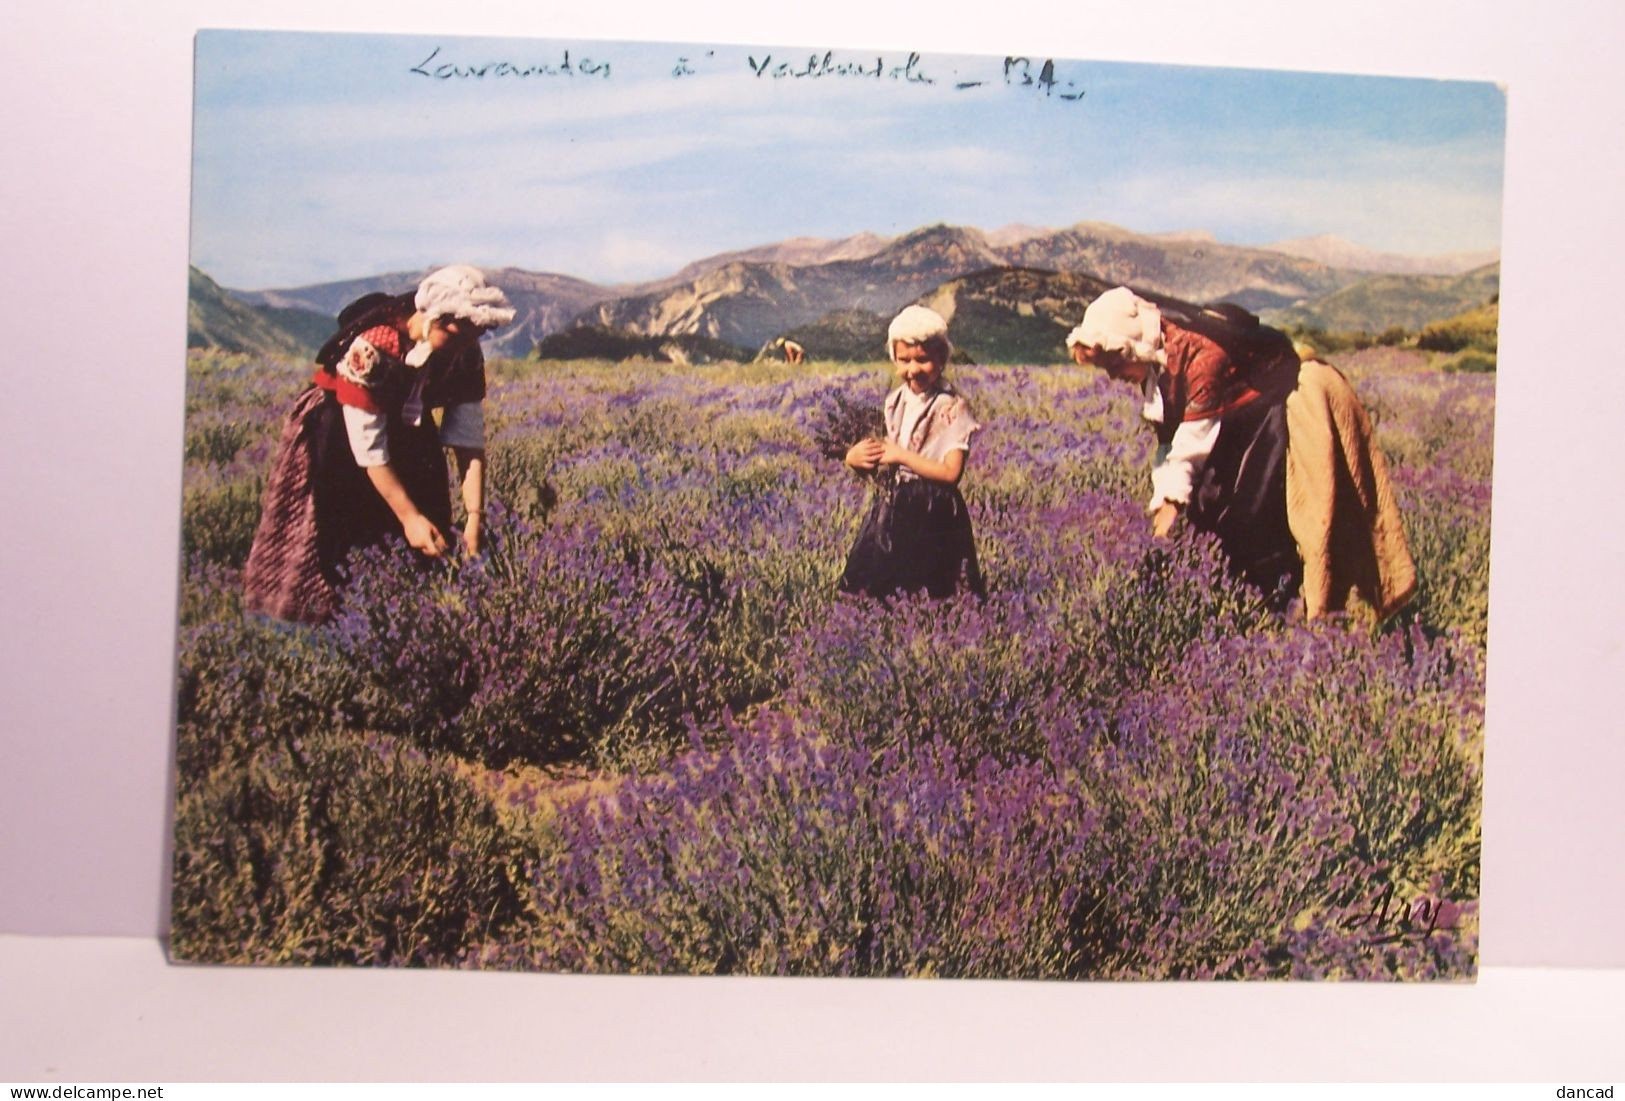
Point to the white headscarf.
(1122, 321)
(461, 291)
(916, 325)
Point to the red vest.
(1198, 382)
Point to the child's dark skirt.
(916, 536)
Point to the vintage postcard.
(795, 510)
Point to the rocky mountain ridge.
(748, 297)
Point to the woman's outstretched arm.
(420, 530)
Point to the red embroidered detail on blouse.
(347, 392)
(386, 338)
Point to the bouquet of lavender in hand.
(844, 422)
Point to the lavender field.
(642, 733)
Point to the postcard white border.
(94, 295)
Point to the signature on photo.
(1390, 920)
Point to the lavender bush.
(334, 849)
(787, 854)
(233, 410)
(558, 644)
(642, 733)
(1266, 783)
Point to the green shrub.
(334, 850)
(1331, 342)
(219, 515)
(1475, 329)
(1470, 361)
(217, 442)
(244, 683)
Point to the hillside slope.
(1381, 301)
(215, 319)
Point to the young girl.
(917, 534)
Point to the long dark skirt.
(349, 512)
(1240, 496)
(917, 535)
(320, 505)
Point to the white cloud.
(1409, 215)
(941, 163)
(629, 256)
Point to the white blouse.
(950, 428)
(461, 425)
(1186, 454)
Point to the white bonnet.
(916, 325)
(1122, 321)
(461, 291)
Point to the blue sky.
(319, 157)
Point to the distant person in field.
(1272, 455)
(361, 460)
(792, 352)
(917, 534)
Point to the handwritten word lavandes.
(499, 69)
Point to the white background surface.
(127, 1017)
(93, 193)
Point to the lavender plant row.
(643, 734)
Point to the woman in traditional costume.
(1272, 456)
(361, 459)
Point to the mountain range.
(545, 302)
(746, 298)
(1406, 301)
(1338, 253)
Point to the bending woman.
(361, 459)
(1273, 457)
